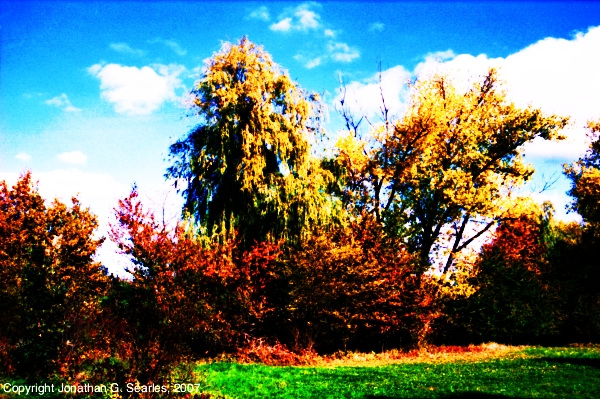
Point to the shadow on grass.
(595, 363)
(458, 395)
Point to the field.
(492, 371)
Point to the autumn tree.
(182, 298)
(247, 165)
(514, 300)
(577, 264)
(51, 285)
(535, 282)
(355, 288)
(585, 177)
(447, 165)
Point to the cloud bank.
(559, 76)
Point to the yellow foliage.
(247, 165)
(452, 157)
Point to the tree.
(182, 298)
(51, 286)
(514, 301)
(247, 165)
(577, 265)
(585, 177)
(354, 288)
(446, 165)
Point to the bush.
(354, 288)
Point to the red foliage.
(181, 294)
(520, 244)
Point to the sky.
(93, 93)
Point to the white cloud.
(364, 97)
(300, 18)
(313, 63)
(559, 76)
(307, 19)
(73, 157)
(376, 27)
(564, 151)
(94, 69)
(172, 44)
(341, 52)
(333, 51)
(282, 26)
(125, 48)
(23, 156)
(261, 13)
(308, 62)
(137, 91)
(99, 192)
(62, 102)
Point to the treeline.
(282, 253)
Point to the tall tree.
(447, 165)
(247, 165)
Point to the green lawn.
(528, 373)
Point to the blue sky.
(92, 93)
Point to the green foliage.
(246, 167)
(51, 287)
(575, 257)
(573, 272)
(535, 283)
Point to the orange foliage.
(51, 287)
(354, 286)
(257, 350)
(182, 297)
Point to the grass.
(491, 372)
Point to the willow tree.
(246, 166)
(444, 170)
